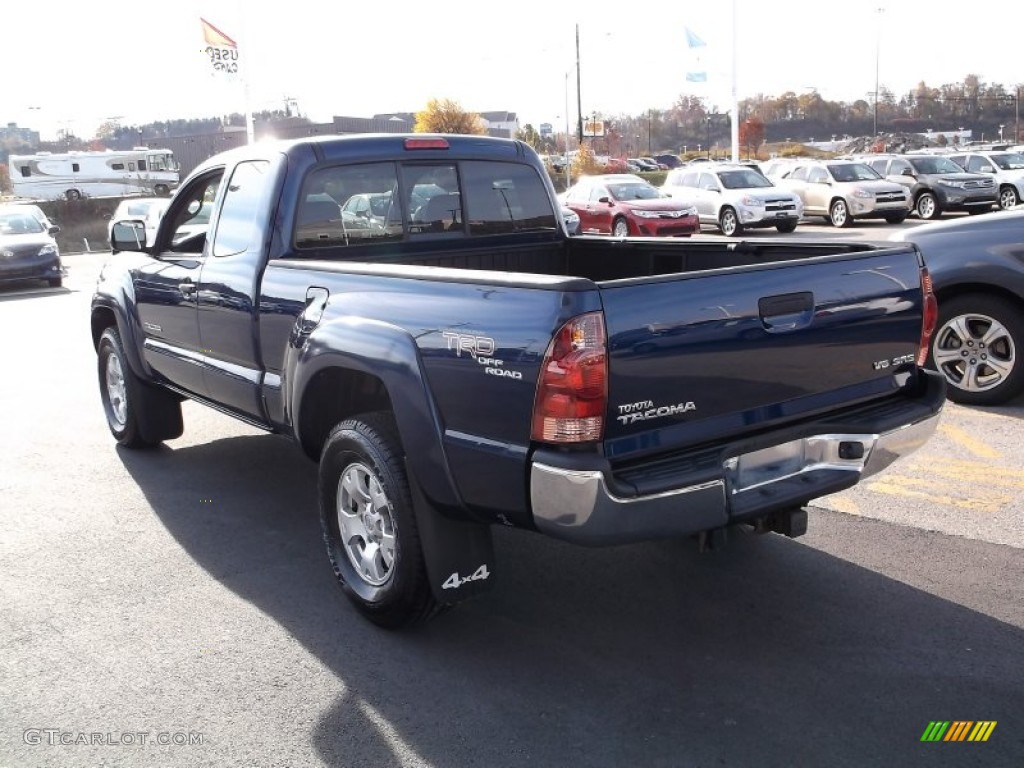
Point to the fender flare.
(388, 353)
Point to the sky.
(143, 61)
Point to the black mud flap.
(458, 554)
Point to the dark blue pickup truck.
(411, 311)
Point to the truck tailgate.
(704, 356)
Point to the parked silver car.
(844, 190)
(734, 197)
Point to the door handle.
(187, 288)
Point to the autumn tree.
(5, 178)
(585, 163)
(529, 135)
(446, 116)
(752, 134)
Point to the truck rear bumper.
(577, 504)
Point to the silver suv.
(844, 190)
(1006, 167)
(734, 197)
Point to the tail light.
(930, 316)
(572, 392)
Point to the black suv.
(937, 184)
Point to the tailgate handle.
(786, 312)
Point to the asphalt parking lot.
(173, 607)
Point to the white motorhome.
(72, 175)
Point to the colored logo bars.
(958, 730)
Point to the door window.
(817, 175)
(190, 216)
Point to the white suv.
(1007, 167)
(734, 197)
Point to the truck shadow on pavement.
(770, 652)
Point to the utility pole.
(878, 47)
(579, 98)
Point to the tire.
(786, 227)
(620, 228)
(1008, 197)
(161, 190)
(73, 194)
(895, 218)
(927, 207)
(55, 282)
(839, 214)
(975, 210)
(368, 523)
(729, 222)
(139, 416)
(975, 348)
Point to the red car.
(622, 204)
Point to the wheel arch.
(110, 315)
(950, 292)
(353, 365)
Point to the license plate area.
(767, 465)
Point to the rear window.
(386, 202)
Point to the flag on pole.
(697, 72)
(222, 50)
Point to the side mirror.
(986, 169)
(128, 236)
(908, 172)
(54, 229)
(604, 199)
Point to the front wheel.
(975, 348)
(895, 218)
(1008, 197)
(786, 227)
(73, 194)
(368, 524)
(161, 190)
(729, 222)
(620, 228)
(839, 214)
(927, 208)
(138, 415)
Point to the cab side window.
(816, 175)
(237, 227)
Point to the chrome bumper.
(578, 506)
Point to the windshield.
(162, 161)
(634, 191)
(19, 224)
(935, 165)
(743, 179)
(853, 172)
(1009, 161)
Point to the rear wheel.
(368, 524)
(73, 194)
(729, 223)
(1008, 197)
(161, 190)
(927, 207)
(55, 282)
(620, 228)
(839, 214)
(975, 347)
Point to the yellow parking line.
(964, 440)
(845, 505)
(989, 503)
(963, 470)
